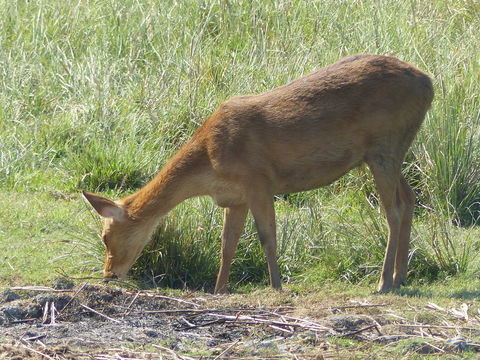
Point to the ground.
(97, 321)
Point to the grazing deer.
(300, 136)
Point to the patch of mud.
(94, 316)
(89, 318)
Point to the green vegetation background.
(98, 95)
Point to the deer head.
(120, 235)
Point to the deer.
(363, 109)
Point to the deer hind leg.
(263, 211)
(401, 259)
(234, 221)
(387, 180)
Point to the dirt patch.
(102, 322)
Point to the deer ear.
(105, 207)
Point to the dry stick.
(99, 313)
(202, 311)
(73, 297)
(225, 351)
(38, 352)
(127, 352)
(247, 319)
(187, 322)
(171, 352)
(170, 298)
(303, 320)
(33, 338)
(396, 316)
(276, 310)
(22, 321)
(193, 311)
(40, 288)
(306, 323)
(41, 343)
(116, 357)
(53, 310)
(358, 331)
(378, 328)
(127, 311)
(354, 306)
(288, 331)
(218, 321)
(435, 347)
(45, 312)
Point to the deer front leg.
(263, 212)
(233, 223)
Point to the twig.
(283, 317)
(193, 311)
(40, 288)
(178, 311)
(218, 321)
(435, 347)
(378, 327)
(73, 297)
(396, 316)
(53, 310)
(128, 353)
(45, 312)
(359, 331)
(249, 319)
(307, 324)
(127, 310)
(288, 331)
(169, 298)
(33, 338)
(49, 309)
(38, 352)
(187, 322)
(99, 313)
(226, 350)
(171, 352)
(354, 306)
(22, 321)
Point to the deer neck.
(183, 177)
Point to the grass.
(39, 241)
(98, 95)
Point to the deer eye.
(104, 239)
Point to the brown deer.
(300, 136)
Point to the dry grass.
(265, 324)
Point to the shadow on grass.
(427, 291)
(173, 260)
(181, 257)
(412, 292)
(465, 294)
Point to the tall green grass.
(99, 94)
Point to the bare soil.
(91, 321)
